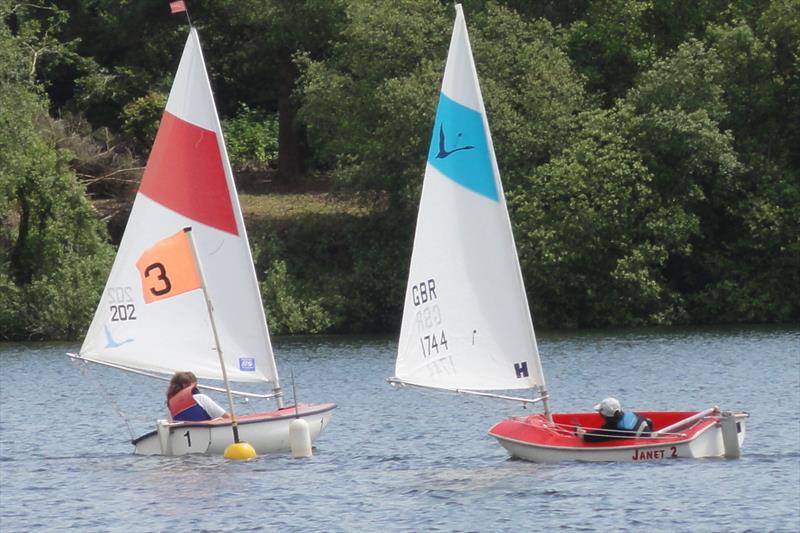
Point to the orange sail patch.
(168, 268)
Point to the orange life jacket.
(182, 406)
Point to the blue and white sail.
(466, 321)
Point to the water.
(408, 460)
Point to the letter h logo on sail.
(521, 369)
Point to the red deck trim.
(534, 431)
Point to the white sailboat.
(188, 181)
(466, 323)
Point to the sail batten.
(466, 322)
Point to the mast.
(210, 308)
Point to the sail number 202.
(121, 304)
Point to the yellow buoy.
(240, 451)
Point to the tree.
(369, 108)
(610, 46)
(255, 43)
(593, 235)
(54, 255)
(380, 70)
(756, 266)
(671, 22)
(531, 90)
(746, 202)
(128, 51)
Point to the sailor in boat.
(617, 423)
(187, 403)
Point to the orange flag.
(168, 268)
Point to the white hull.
(266, 432)
(708, 442)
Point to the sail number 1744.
(429, 318)
(433, 343)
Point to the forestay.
(188, 182)
(466, 322)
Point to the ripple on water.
(408, 461)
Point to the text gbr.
(433, 340)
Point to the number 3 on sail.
(188, 181)
(168, 268)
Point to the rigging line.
(624, 434)
(86, 374)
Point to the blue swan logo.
(110, 342)
(444, 152)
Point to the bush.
(252, 139)
(54, 255)
(141, 117)
(288, 310)
(60, 306)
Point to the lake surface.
(408, 460)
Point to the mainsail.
(466, 322)
(188, 182)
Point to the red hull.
(534, 429)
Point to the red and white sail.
(188, 182)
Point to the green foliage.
(128, 52)
(53, 256)
(649, 147)
(10, 310)
(141, 117)
(531, 90)
(288, 310)
(754, 276)
(35, 31)
(328, 272)
(375, 284)
(12, 58)
(689, 79)
(592, 235)
(743, 200)
(303, 297)
(252, 139)
(671, 22)
(250, 45)
(610, 45)
(351, 103)
(60, 304)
